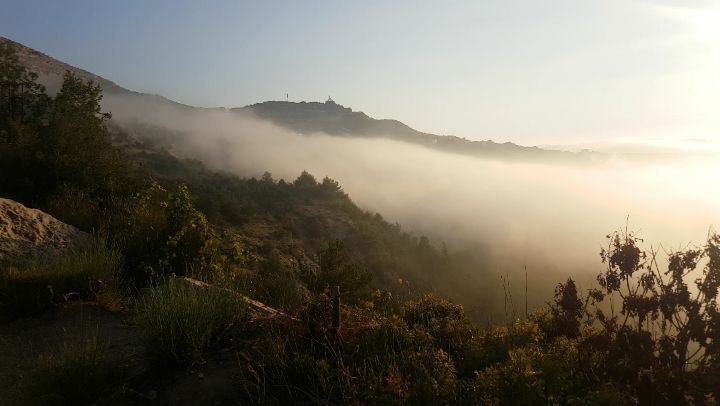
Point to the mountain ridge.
(335, 119)
(304, 117)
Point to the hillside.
(332, 118)
(200, 286)
(303, 117)
(51, 70)
(293, 221)
(286, 221)
(50, 74)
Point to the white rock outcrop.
(31, 232)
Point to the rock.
(258, 310)
(26, 232)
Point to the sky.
(551, 72)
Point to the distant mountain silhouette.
(335, 119)
(306, 117)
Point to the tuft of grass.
(277, 289)
(31, 286)
(183, 322)
(76, 373)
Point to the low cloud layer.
(552, 217)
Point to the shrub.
(74, 206)
(385, 336)
(32, 286)
(533, 375)
(567, 310)
(162, 233)
(288, 370)
(444, 320)
(430, 310)
(375, 360)
(662, 344)
(182, 322)
(277, 289)
(337, 269)
(76, 373)
(432, 376)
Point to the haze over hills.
(301, 117)
(514, 199)
(332, 118)
(301, 251)
(509, 201)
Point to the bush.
(162, 233)
(432, 377)
(533, 375)
(75, 374)
(383, 337)
(277, 289)
(32, 286)
(286, 369)
(182, 322)
(375, 360)
(662, 345)
(337, 269)
(444, 320)
(74, 206)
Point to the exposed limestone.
(31, 232)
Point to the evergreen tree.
(22, 99)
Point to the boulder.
(26, 232)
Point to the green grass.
(31, 286)
(77, 372)
(183, 322)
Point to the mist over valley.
(501, 203)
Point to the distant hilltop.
(334, 119)
(326, 117)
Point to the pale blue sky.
(533, 72)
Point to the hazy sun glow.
(707, 24)
(703, 23)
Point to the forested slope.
(358, 327)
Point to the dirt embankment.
(31, 232)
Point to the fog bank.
(552, 217)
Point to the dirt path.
(24, 340)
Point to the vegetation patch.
(77, 372)
(183, 322)
(31, 286)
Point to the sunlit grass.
(182, 322)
